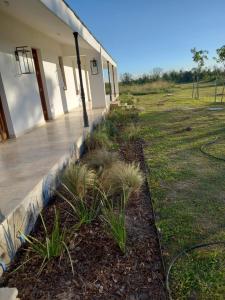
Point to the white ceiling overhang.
(55, 19)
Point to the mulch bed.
(101, 271)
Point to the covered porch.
(29, 167)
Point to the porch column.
(85, 116)
(114, 85)
(109, 81)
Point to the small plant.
(78, 178)
(100, 159)
(221, 60)
(131, 132)
(122, 177)
(114, 218)
(53, 245)
(85, 210)
(98, 139)
(199, 58)
(109, 128)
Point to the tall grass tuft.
(114, 219)
(131, 132)
(98, 139)
(78, 178)
(53, 245)
(100, 159)
(85, 210)
(122, 177)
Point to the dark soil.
(101, 271)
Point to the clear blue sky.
(143, 34)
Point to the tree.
(199, 58)
(221, 59)
(126, 78)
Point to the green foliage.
(100, 159)
(199, 57)
(131, 132)
(114, 218)
(85, 210)
(98, 139)
(79, 179)
(109, 128)
(221, 54)
(122, 177)
(53, 245)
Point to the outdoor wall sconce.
(94, 66)
(24, 59)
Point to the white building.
(50, 65)
(38, 64)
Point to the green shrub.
(53, 245)
(114, 220)
(79, 179)
(122, 177)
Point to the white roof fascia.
(62, 10)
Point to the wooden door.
(40, 84)
(3, 127)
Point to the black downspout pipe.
(85, 116)
(110, 87)
(114, 86)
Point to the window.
(62, 72)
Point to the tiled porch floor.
(24, 161)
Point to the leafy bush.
(78, 179)
(85, 210)
(115, 220)
(53, 245)
(122, 177)
(100, 159)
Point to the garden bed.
(101, 270)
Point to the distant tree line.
(181, 76)
(199, 73)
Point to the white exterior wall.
(22, 91)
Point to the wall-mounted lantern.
(94, 66)
(24, 59)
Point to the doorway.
(40, 84)
(3, 126)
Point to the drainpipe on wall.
(85, 116)
(110, 87)
(114, 86)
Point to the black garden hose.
(186, 250)
(183, 252)
(202, 149)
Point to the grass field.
(187, 187)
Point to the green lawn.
(187, 187)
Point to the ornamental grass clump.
(114, 219)
(84, 210)
(100, 159)
(98, 139)
(122, 177)
(131, 133)
(52, 246)
(78, 178)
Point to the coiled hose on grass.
(187, 250)
(183, 252)
(202, 149)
